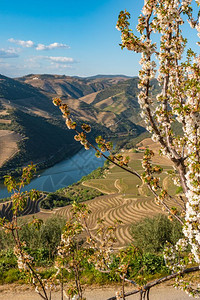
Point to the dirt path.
(117, 185)
(103, 293)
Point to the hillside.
(109, 99)
(41, 138)
(70, 87)
(108, 103)
(15, 94)
(29, 137)
(121, 99)
(105, 99)
(31, 127)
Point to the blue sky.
(65, 37)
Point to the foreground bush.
(152, 233)
(42, 241)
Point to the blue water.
(64, 173)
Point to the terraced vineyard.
(117, 207)
(32, 207)
(127, 199)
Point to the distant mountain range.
(70, 87)
(108, 102)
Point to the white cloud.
(25, 44)
(60, 59)
(51, 46)
(39, 47)
(35, 67)
(50, 62)
(55, 66)
(8, 53)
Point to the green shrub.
(6, 241)
(153, 263)
(11, 276)
(151, 234)
(7, 260)
(41, 243)
(46, 237)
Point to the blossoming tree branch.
(177, 70)
(179, 100)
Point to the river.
(63, 173)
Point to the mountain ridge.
(69, 86)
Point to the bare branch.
(151, 284)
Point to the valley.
(33, 130)
(125, 197)
(108, 103)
